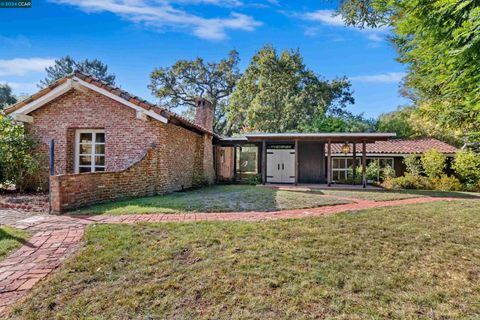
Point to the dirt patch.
(30, 202)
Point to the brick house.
(109, 144)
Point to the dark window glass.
(100, 149)
(85, 160)
(85, 149)
(99, 160)
(100, 137)
(85, 137)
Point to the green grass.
(374, 195)
(216, 199)
(386, 195)
(11, 239)
(412, 262)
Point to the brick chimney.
(204, 114)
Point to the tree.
(18, 162)
(187, 80)
(6, 96)
(344, 122)
(413, 164)
(433, 163)
(398, 121)
(467, 166)
(67, 65)
(277, 93)
(439, 41)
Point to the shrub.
(445, 183)
(18, 162)
(413, 164)
(408, 181)
(254, 179)
(373, 170)
(433, 163)
(387, 173)
(467, 166)
(358, 175)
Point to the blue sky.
(135, 36)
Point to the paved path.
(57, 237)
(11, 216)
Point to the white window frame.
(93, 154)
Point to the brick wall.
(183, 158)
(126, 136)
(71, 191)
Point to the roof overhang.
(325, 137)
(77, 84)
(384, 154)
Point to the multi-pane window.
(90, 151)
(341, 166)
(382, 163)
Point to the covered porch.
(292, 158)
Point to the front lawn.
(216, 199)
(11, 239)
(387, 195)
(412, 262)
(373, 195)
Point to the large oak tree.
(278, 93)
(187, 80)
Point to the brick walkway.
(43, 253)
(11, 216)
(57, 237)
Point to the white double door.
(281, 165)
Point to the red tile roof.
(116, 91)
(400, 146)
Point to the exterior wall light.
(346, 148)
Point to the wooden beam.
(296, 162)
(264, 162)
(235, 163)
(329, 163)
(354, 165)
(364, 164)
(22, 118)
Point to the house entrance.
(281, 165)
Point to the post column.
(364, 164)
(296, 162)
(264, 162)
(329, 163)
(354, 165)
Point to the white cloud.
(21, 66)
(326, 17)
(330, 18)
(220, 3)
(389, 77)
(22, 87)
(161, 14)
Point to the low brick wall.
(71, 191)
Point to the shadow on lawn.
(5, 236)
